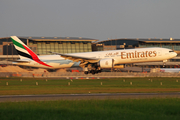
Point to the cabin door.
(159, 53)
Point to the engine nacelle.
(106, 63)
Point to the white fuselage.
(125, 56)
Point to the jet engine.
(106, 63)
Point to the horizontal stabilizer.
(18, 61)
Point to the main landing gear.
(92, 70)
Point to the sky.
(96, 19)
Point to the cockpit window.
(171, 51)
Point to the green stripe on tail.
(17, 44)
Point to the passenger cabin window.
(171, 51)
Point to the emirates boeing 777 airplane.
(92, 62)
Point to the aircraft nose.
(175, 54)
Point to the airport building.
(115, 44)
(43, 45)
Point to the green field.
(107, 109)
(124, 109)
(21, 86)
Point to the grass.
(60, 86)
(128, 109)
(124, 109)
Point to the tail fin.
(25, 52)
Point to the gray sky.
(98, 19)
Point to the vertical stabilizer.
(21, 48)
(25, 52)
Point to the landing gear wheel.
(93, 72)
(86, 72)
(96, 71)
(99, 71)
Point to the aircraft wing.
(84, 60)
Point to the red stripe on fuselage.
(35, 57)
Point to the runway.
(51, 97)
